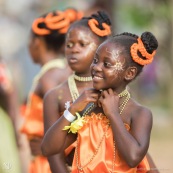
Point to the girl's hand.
(88, 96)
(109, 101)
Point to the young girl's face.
(108, 66)
(80, 47)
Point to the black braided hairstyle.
(101, 17)
(127, 39)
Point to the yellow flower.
(75, 125)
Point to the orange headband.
(93, 25)
(37, 30)
(140, 47)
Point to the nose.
(76, 48)
(96, 67)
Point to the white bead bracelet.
(68, 116)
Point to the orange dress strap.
(96, 152)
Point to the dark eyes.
(71, 44)
(95, 60)
(106, 64)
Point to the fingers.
(100, 101)
(107, 93)
(92, 95)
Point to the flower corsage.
(75, 125)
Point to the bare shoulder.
(140, 113)
(56, 91)
(58, 95)
(52, 78)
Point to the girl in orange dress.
(46, 47)
(113, 130)
(81, 44)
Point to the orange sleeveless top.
(96, 152)
(33, 124)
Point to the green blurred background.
(153, 88)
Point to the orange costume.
(98, 151)
(33, 123)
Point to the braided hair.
(149, 42)
(53, 26)
(98, 23)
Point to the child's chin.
(97, 87)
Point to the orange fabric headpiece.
(60, 22)
(73, 14)
(140, 47)
(93, 25)
(37, 30)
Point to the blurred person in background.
(9, 153)
(46, 47)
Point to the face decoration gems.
(115, 54)
(118, 66)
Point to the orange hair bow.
(93, 25)
(37, 30)
(57, 22)
(140, 47)
(73, 14)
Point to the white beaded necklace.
(73, 88)
(82, 79)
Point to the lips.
(97, 77)
(72, 60)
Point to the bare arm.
(55, 138)
(137, 140)
(50, 115)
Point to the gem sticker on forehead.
(115, 54)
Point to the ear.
(130, 73)
(36, 42)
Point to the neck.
(48, 56)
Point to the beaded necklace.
(83, 79)
(75, 94)
(73, 88)
(54, 63)
(125, 94)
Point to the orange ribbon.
(93, 25)
(140, 47)
(37, 30)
